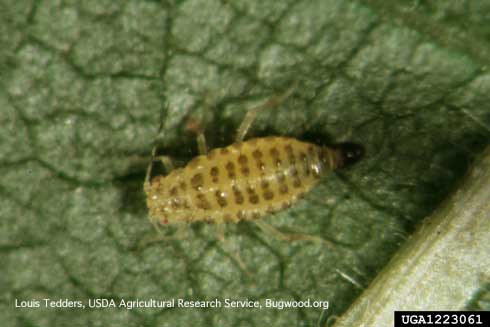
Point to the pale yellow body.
(246, 180)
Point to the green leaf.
(82, 88)
(442, 266)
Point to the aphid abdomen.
(245, 180)
(282, 170)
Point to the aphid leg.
(201, 143)
(252, 113)
(146, 184)
(274, 232)
(167, 162)
(196, 128)
(220, 232)
(227, 245)
(180, 233)
(475, 119)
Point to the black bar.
(442, 318)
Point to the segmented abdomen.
(245, 180)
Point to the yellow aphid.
(246, 180)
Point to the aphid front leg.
(274, 232)
(252, 113)
(196, 128)
(166, 161)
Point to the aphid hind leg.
(475, 119)
(181, 233)
(276, 233)
(252, 113)
(235, 254)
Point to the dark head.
(350, 153)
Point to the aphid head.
(349, 153)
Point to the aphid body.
(246, 180)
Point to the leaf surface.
(82, 88)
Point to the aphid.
(246, 180)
